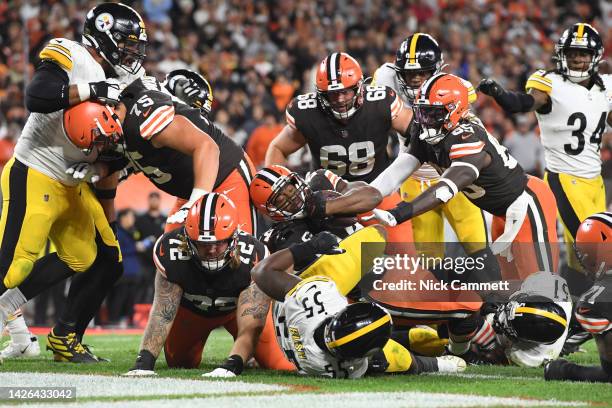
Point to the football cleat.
(90, 349)
(451, 364)
(16, 350)
(69, 349)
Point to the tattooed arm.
(165, 305)
(251, 315)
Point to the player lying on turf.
(594, 309)
(282, 195)
(203, 282)
(324, 335)
(531, 328)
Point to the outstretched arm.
(514, 102)
(165, 306)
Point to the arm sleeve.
(390, 180)
(48, 90)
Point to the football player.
(572, 104)
(470, 160)
(43, 200)
(177, 148)
(346, 125)
(418, 58)
(325, 336)
(531, 328)
(594, 309)
(203, 282)
(190, 88)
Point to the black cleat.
(69, 349)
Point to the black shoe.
(68, 349)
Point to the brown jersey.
(498, 184)
(357, 149)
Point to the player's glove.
(490, 87)
(83, 171)
(231, 367)
(106, 91)
(324, 243)
(315, 205)
(145, 363)
(179, 216)
(555, 369)
(402, 212)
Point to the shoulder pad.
(464, 140)
(539, 81)
(58, 51)
(304, 284)
(154, 110)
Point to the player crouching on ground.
(594, 309)
(203, 282)
(321, 333)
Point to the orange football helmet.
(212, 231)
(337, 76)
(441, 102)
(90, 124)
(279, 193)
(593, 244)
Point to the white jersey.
(527, 354)
(304, 310)
(43, 144)
(571, 133)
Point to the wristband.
(234, 363)
(84, 92)
(144, 361)
(402, 212)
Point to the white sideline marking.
(353, 400)
(107, 386)
(488, 376)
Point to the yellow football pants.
(37, 207)
(464, 217)
(577, 198)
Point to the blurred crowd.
(258, 54)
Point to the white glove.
(84, 171)
(139, 373)
(385, 217)
(220, 373)
(179, 216)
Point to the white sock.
(17, 328)
(12, 300)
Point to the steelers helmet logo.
(104, 22)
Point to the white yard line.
(107, 386)
(488, 376)
(353, 400)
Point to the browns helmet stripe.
(605, 217)
(413, 44)
(429, 84)
(208, 220)
(269, 175)
(333, 68)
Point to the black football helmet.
(584, 37)
(357, 331)
(419, 52)
(535, 319)
(118, 34)
(192, 88)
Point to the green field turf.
(492, 381)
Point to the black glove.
(489, 87)
(105, 91)
(324, 243)
(555, 370)
(144, 361)
(315, 205)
